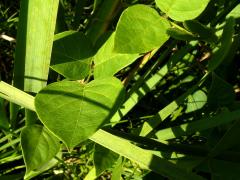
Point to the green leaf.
(107, 62)
(72, 55)
(117, 170)
(50, 164)
(228, 140)
(74, 111)
(224, 169)
(181, 34)
(104, 159)
(226, 42)
(140, 29)
(91, 174)
(221, 92)
(39, 146)
(182, 10)
(202, 31)
(196, 101)
(235, 12)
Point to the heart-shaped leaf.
(72, 55)
(221, 93)
(140, 29)
(104, 159)
(107, 62)
(74, 111)
(39, 147)
(182, 10)
(203, 32)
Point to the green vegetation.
(103, 89)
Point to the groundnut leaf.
(74, 111)
(182, 10)
(71, 55)
(139, 30)
(107, 62)
(39, 147)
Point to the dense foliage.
(103, 89)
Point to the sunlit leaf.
(140, 29)
(107, 62)
(181, 10)
(74, 111)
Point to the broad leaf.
(72, 55)
(221, 92)
(50, 164)
(39, 146)
(182, 10)
(235, 12)
(140, 29)
(104, 159)
(107, 62)
(202, 31)
(74, 111)
(181, 34)
(228, 140)
(224, 169)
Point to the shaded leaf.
(39, 147)
(226, 42)
(107, 62)
(182, 10)
(104, 158)
(72, 55)
(140, 29)
(202, 31)
(221, 92)
(181, 34)
(74, 111)
(228, 140)
(50, 164)
(224, 169)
